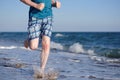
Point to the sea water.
(75, 55)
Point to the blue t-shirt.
(46, 12)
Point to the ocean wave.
(94, 53)
(113, 53)
(76, 48)
(107, 52)
(59, 35)
(57, 46)
(104, 59)
(106, 55)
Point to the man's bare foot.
(26, 44)
(38, 73)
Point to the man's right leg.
(32, 44)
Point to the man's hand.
(40, 6)
(58, 4)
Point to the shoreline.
(18, 65)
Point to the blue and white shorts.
(39, 27)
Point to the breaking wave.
(76, 48)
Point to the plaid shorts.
(39, 27)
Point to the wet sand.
(17, 64)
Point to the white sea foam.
(8, 47)
(90, 52)
(113, 60)
(59, 35)
(96, 58)
(57, 46)
(76, 48)
(104, 59)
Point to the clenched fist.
(58, 4)
(40, 6)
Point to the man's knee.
(33, 47)
(46, 43)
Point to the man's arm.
(56, 4)
(39, 6)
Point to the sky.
(74, 15)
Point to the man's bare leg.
(45, 51)
(32, 44)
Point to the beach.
(73, 61)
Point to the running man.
(40, 27)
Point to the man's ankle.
(42, 70)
